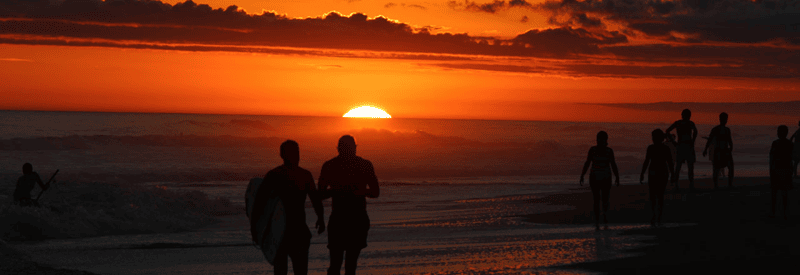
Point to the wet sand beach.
(731, 232)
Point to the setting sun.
(367, 111)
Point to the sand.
(732, 231)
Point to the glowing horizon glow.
(367, 111)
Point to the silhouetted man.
(687, 134)
(25, 184)
(723, 146)
(780, 165)
(292, 184)
(348, 179)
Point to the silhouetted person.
(687, 133)
(25, 184)
(796, 152)
(780, 165)
(601, 159)
(348, 179)
(723, 146)
(292, 184)
(659, 162)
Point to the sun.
(367, 111)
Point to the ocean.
(164, 193)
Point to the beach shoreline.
(709, 231)
(703, 225)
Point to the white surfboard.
(271, 225)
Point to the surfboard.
(271, 225)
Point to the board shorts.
(348, 232)
(722, 158)
(685, 153)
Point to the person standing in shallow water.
(796, 151)
(780, 165)
(601, 159)
(25, 184)
(687, 134)
(348, 179)
(659, 162)
(292, 184)
(720, 136)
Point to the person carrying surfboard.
(720, 139)
(25, 184)
(348, 179)
(292, 184)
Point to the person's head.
(723, 118)
(347, 145)
(27, 168)
(658, 136)
(686, 114)
(783, 131)
(290, 152)
(602, 138)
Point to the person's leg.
(606, 194)
(299, 255)
(730, 173)
(690, 169)
(596, 203)
(351, 261)
(337, 256)
(660, 197)
(281, 263)
(677, 175)
(652, 189)
(794, 172)
(715, 171)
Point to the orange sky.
(193, 59)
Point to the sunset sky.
(518, 59)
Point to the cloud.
(688, 20)
(581, 40)
(404, 5)
(524, 19)
(492, 7)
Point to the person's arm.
(644, 166)
(39, 181)
(694, 133)
(372, 182)
(614, 166)
(316, 202)
(586, 165)
(794, 136)
(323, 183)
(670, 128)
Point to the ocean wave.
(89, 142)
(79, 209)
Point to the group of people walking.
(347, 179)
(783, 161)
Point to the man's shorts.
(685, 153)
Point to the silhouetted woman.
(780, 164)
(659, 161)
(601, 158)
(796, 154)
